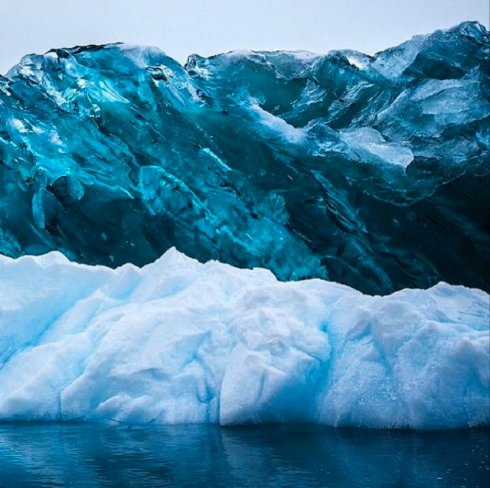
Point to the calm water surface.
(82, 455)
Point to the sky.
(183, 27)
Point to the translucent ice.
(179, 341)
(349, 167)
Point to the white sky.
(183, 27)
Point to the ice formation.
(180, 341)
(348, 167)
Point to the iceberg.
(342, 166)
(178, 341)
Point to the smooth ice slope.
(339, 166)
(180, 341)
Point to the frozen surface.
(341, 166)
(179, 341)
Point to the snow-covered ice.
(180, 341)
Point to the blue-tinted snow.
(180, 341)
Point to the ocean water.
(90, 455)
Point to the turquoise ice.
(368, 171)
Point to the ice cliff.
(180, 341)
(370, 171)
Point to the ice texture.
(179, 341)
(372, 171)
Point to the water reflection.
(81, 455)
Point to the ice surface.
(180, 341)
(343, 166)
(371, 147)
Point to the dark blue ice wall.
(370, 171)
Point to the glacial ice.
(179, 341)
(348, 167)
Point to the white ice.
(371, 147)
(179, 341)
